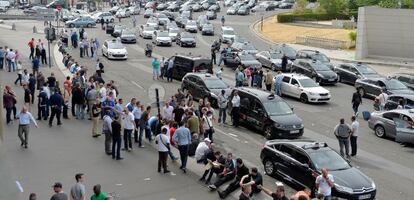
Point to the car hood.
(404, 91)
(188, 39)
(327, 74)
(352, 178)
(190, 26)
(217, 92)
(147, 32)
(317, 90)
(173, 34)
(163, 38)
(118, 51)
(128, 36)
(290, 119)
(251, 62)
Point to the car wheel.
(269, 167)
(304, 98)
(89, 25)
(268, 132)
(379, 131)
(339, 79)
(273, 67)
(98, 21)
(71, 25)
(361, 92)
(112, 20)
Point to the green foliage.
(291, 17)
(300, 6)
(388, 4)
(333, 6)
(352, 36)
(362, 3)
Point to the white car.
(114, 49)
(161, 38)
(227, 34)
(107, 16)
(173, 33)
(146, 31)
(152, 22)
(232, 10)
(114, 9)
(191, 26)
(304, 88)
(134, 10)
(123, 13)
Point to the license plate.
(331, 79)
(295, 131)
(365, 196)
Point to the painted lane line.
(19, 186)
(234, 135)
(135, 83)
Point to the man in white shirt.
(168, 111)
(354, 135)
(25, 118)
(382, 99)
(102, 92)
(129, 126)
(324, 184)
(163, 146)
(235, 101)
(202, 150)
(136, 111)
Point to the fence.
(323, 42)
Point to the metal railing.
(323, 42)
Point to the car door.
(353, 75)
(286, 87)
(266, 59)
(283, 164)
(392, 102)
(344, 73)
(257, 116)
(300, 166)
(189, 82)
(308, 70)
(404, 130)
(245, 106)
(201, 88)
(296, 88)
(389, 123)
(371, 87)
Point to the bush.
(352, 36)
(289, 17)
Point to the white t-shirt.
(129, 121)
(162, 141)
(382, 98)
(324, 187)
(102, 93)
(168, 112)
(355, 128)
(202, 149)
(236, 101)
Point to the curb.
(260, 36)
(58, 60)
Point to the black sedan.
(350, 72)
(316, 70)
(211, 15)
(186, 39)
(285, 49)
(301, 161)
(234, 60)
(371, 87)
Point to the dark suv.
(301, 161)
(317, 70)
(184, 64)
(268, 113)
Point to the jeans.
(222, 115)
(108, 141)
(183, 155)
(116, 146)
(79, 111)
(19, 78)
(278, 88)
(162, 161)
(12, 66)
(381, 107)
(31, 53)
(327, 198)
(232, 186)
(209, 134)
(172, 156)
(148, 134)
(24, 130)
(127, 139)
(354, 145)
(141, 133)
(236, 117)
(137, 124)
(8, 115)
(169, 75)
(55, 111)
(343, 143)
(239, 83)
(223, 179)
(41, 112)
(355, 107)
(1, 62)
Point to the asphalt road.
(388, 163)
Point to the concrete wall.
(385, 33)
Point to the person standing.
(278, 195)
(382, 99)
(78, 191)
(11, 57)
(129, 127)
(144, 125)
(170, 70)
(182, 137)
(137, 112)
(107, 131)
(356, 101)
(19, 71)
(95, 113)
(207, 123)
(163, 146)
(27, 96)
(97, 194)
(81, 47)
(8, 104)
(2, 55)
(268, 80)
(91, 97)
(37, 52)
(99, 67)
(116, 138)
(284, 62)
(235, 101)
(78, 99)
(56, 103)
(324, 184)
(41, 105)
(32, 44)
(239, 77)
(43, 54)
(342, 133)
(59, 194)
(32, 87)
(155, 68)
(222, 101)
(25, 117)
(354, 135)
(168, 111)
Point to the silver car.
(397, 124)
(128, 36)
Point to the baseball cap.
(57, 185)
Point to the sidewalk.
(340, 55)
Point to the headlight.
(312, 93)
(343, 188)
(320, 75)
(373, 185)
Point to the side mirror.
(297, 85)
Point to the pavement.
(54, 153)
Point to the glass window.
(277, 108)
(294, 81)
(328, 159)
(307, 83)
(365, 69)
(394, 84)
(391, 115)
(215, 84)
(286, 79)
(300, 157)
(285, 149)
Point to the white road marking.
(19, 186)
(147, 179)
(118, 184)
(135, 83)
(234, 135)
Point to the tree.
(333, 6)
(388, 4)
(362, 3)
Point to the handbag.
(166, 145)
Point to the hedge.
(290, 17)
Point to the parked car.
(272, 60)
(197, 8)
(406, 78)
(207, 29)
(112, 49)
(394, 100)
(173, 8)
(162, 6)
(173, 33)
(162, 18)
(34, 10)
(371, 87)
(191, 26)
(215, 8)
(134, 10)
(314, 55)
(181, 21)
(146, 31)
(232, 10)
(184, 64)
(350, 72)
(259, 8)
(161, 38)
(123, 13)
(243, 10)
(211, 15)
(246, 47)
(315, 70)
(152, 21)
(287, 4)
(118, 30)
(187, 14)
(285, 49)
(128, 36)
(234, 60)
(106, 16)
(228, 3)
(186, 39)
(227, 34)
(304, 88)
(110, 28)
(396, 124)
(81, 22)
(267, 113)
(148, 13)
(299, 162)
(114, 9)
(204, 86)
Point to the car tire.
(112, 20)
(269, 167)
(89, 25)
(268, 132)
(71, 25)
(379, 131)
(273, 67)
(304, 98)
(339, 79)
(361, 91)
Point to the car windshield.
(149, 28)
(228, 32)
(363, 69)
(395, 85)
(276, 55)
(289, 51)
(307, 83)
(328, 159)
(186, 35)
(210, 13)
(320, 66)
(174, 31)
(247, 57)
(320, 57)
(162, 16)
(191, 23)
(128, 32)
(277, 108)
(215, 83)
(163, 34)
(152, 21)
(115, 45)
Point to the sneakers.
(212, 187)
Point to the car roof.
(406, 96)
(202, 75)
(227, 28)
(404, 73)
(304, 144)
(191, 57)
(111, 41)
(310, 51)
(297, 76)
(262, 95)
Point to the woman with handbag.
(163, 146)
(207, 122)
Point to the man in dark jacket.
(284, 62)
(32, 86)
(241, 170)
(43, 55)
(78, 98)
(41, 105)
(356, 101)
(56, 103)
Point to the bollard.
(34, 29)
(13, 26)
